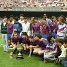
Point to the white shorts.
(49, 55)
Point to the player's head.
(43, 20)
(5, 19)
(35, 19)
(21, 16)
(25, 19)
(65, 40)
(50, 38)
(15, 35)
(59, 41)
(24, 35)
(45, 16)
(15, 19)
(53, 18)
(9, 21)
(37, 36)
(31, 38)
(61, 20)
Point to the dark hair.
(44, 14)
(35, 18)
(11, 15)
(62, 18)
(44, 19)
(60, 40)
(49, 38)
(53, 17)
(24, 33)
(9, 20)
(30, 37)
(15, 31)
(21, 15)
(38, 35)
(65, 40)
(16, 18)
(25, 17)
(4, 17)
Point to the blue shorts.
(35, 33)
(54, 35)
(44, 36)
(18, 34)
(9, 36)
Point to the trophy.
(19, 56)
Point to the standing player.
(9, 29)
(17, 26)
(35, 26)
(54, 27)
(62, 27)
(47, 19)
(11, 19)
(45, 29)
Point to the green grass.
(34, 61)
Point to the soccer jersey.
(9, 28)
(36, 27)
(45, 29)
(30, 42)
(51, 46)
(24, 40)
(15, 40)
(43, 44)
(53, 26)
(35, 42)
(61, 30)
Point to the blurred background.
(33, 5)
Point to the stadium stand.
(37, 5)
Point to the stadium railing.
(34, 9)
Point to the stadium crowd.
(44, 37)
(31, 3)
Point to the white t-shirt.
(63, 53)
(26, 27)
(20, 21)
(12, 22)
